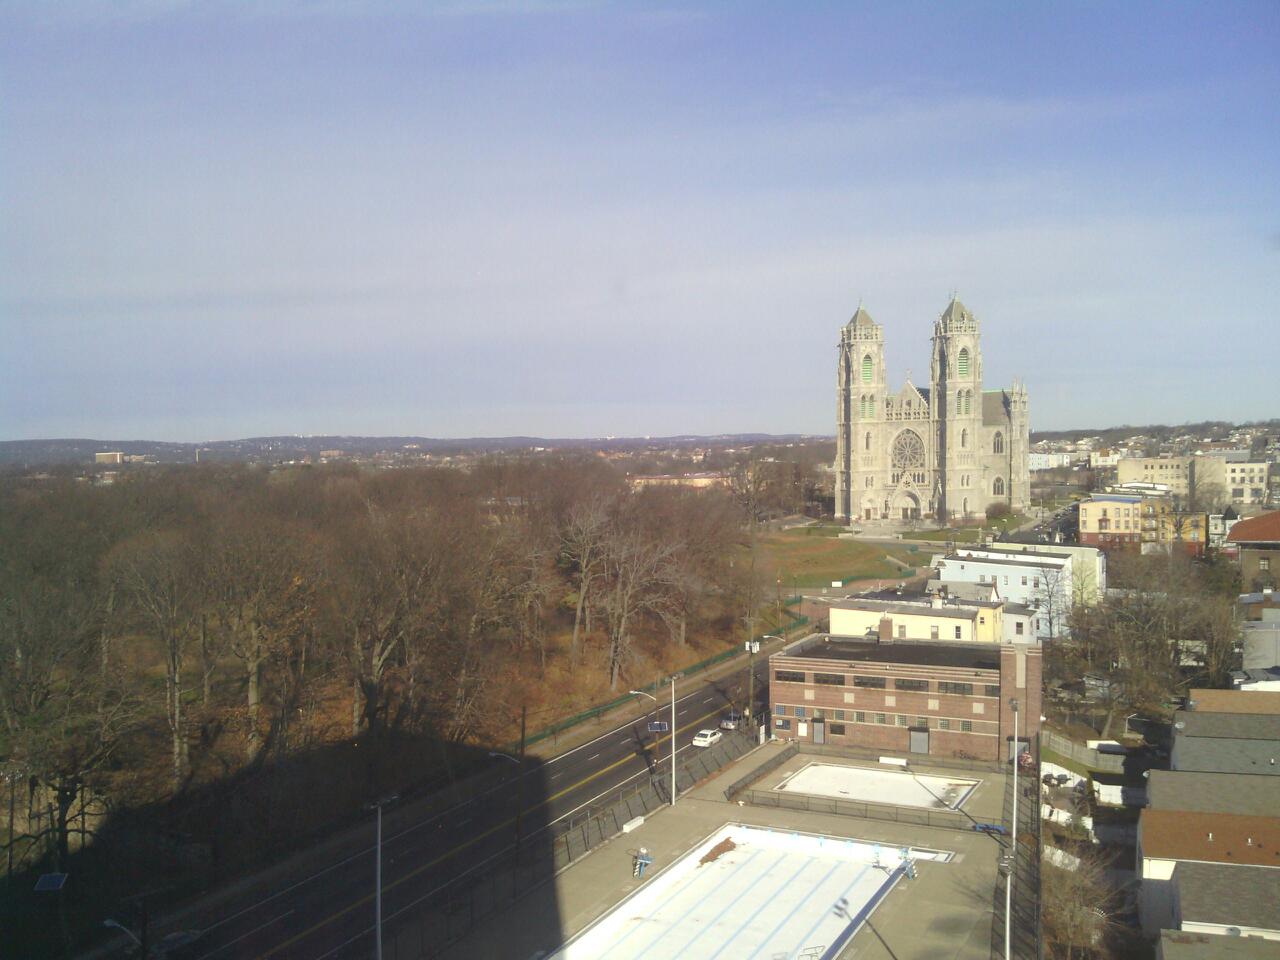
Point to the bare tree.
(638, 572)
(1077, 900)
(158, 575)
(583, 540)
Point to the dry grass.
(815, 560)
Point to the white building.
(1042, 582)
(1049, 461)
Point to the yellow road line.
(368, 897)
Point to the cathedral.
(947, 452)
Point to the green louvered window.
(962, 363)
(866, 369)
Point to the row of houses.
(1208, 839)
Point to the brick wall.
(982, 711)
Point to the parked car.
(705, 738)
(732, 721)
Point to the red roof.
(1264, 528)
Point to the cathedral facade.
(948, 451)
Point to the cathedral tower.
(955, 380)
(860, 391)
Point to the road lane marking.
(242, 936)
(418, 871)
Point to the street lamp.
(377, 805)
(753, 647)
(117, 925)
(1013, 857)
(641, 693)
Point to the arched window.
(959, 401)
(966, 506)
(997, 488)
(968, 401)
(962, 363)
(964, 439)
(866, 369)
(997, 443)
(866, 442)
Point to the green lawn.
(808, 558)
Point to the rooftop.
(922, 609)
(1030, 560)
(1199, 792)
(1231, 895)
(1221, 755)
(916, 653)
(1210, 837)
(1183, 945)
(1235, 701)
(1228, 726)
(1264, 528)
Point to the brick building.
(927, 699)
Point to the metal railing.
(454, 910)
(918, 816)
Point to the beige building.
(934, 619)
(1174, 472)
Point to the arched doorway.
(906, 505)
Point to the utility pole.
(377, 806)
(1013, 856)
(673, 739)
(524, 714)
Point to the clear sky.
(231, 219)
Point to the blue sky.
(582, 219)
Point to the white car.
(705, 738)
(732, 721)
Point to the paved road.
(328, 914)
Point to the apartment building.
(1042, 582)
(1111, 521)
(1175, 472)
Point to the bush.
(997, 510)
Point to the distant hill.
(35, 453)
(1208, 429)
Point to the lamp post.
(673, 738)
(641, 693)
(1013, 857)
(377, 805)
(753, 647)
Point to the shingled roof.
(1239, 793)
(1264, 528)
(1235, 701)
(1210, 837)
(1228, 894)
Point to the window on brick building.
(782, 724)
(956, 689)
(880, 718)
(993, 689)
(875, 683)
(859, 716)
(944, 723)
(900, 684)
(788, 676)
(966, 726)
(837, 729)
(829, 679)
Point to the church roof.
(956, 311)
(995, 408)
(861, 318)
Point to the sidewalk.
(946, 913)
